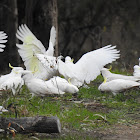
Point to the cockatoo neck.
(105, 72)
(27, 77)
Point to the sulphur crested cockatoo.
(117, 85)
(111, 76)
(88, 67)
(2, 109)
(55, 85)
(136, 72)
(30, 49)
(3, 37)
(12, 81)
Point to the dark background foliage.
(83, 25)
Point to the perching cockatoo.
(55, 85)
(117, 85)
(12, 81)
(112, 76)
(88, 67)
(31, 48)
(3, 37)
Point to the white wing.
(50, 51)
(90, 64)
(28, 50)
(3, 37)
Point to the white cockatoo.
(117, 85)
(3, 37)
(112, 76)
(55, 85)
(2, 109)
(88, 67)
(31, 48)
(136, 68)
(12, 81)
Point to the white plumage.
(12, 81)
(136, 72)
(2, 109)
(136, 68)
(55, 85)
(117, 85)
(31, 47)
(3, 37)
(88, 67)
(112, 76)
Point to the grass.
(88, 111)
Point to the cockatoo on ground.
(55, 85)
(112, 76)
(117, 85)
(12, 81)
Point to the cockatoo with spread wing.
(30, 49)
(117, 85)
(12, 81)
(55, 85)
(88, 67)
(112, 76)
(3, 37)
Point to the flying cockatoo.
(32, 47)
(88, 67)
(12, 81)
(55, 85)
(117, 85)
(3, 37)
(112, 76)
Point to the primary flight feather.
(3, 37)
(31, 47)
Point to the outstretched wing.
(50, 51)
(3, 37)
(90, 64)
(28, 50)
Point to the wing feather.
(3, 37)
(28, 50)
(90, 64)
(50, 51)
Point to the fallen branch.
(39, 124)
